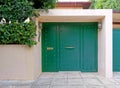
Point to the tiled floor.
(67, 80)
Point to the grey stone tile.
(117, 80)
(75, 82)
(76, 72)
(47, 75)
(94, 86)
(5, 87)
(43, 81)
(21, 87)
(107, 81)
(88, 75)
(92, 82)
(67, 87)
(74, 75)
(61, 75)
(63, 72)
(41, 86)
(110, 86)
(76, 86)
(59, 81)
(59, 87)
(117, 86)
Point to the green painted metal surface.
(69, 47)
(89, 48)
(116, 49)
(49, 48)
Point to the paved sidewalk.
(66, 80)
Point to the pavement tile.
(67, 87)
(61, 75)
(47, 75)
(76, 86)
(41, 86)
(110, 86)
(58, 86)
(75, 82)
(107, 81)
(117, 86)
(117, 80)
(68, 79)
(88, 75)
(59, 81)
(43, 81)
(5, 87)
(20, 87)
(74, 75)
(92, 81)
(94, 86)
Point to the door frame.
(104, 35)
(80, 28)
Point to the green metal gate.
(116, 49)
(69, 47)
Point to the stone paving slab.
(67, 79)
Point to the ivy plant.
(18, 33)
(15, 31)
(16, 10)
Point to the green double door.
(69, 47)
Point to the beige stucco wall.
(20, 62)
(105, 46)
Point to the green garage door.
(116, 49)
(69, 47)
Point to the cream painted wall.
(16, 62)
(105, 46)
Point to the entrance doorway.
(69, 47)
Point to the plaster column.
(105, 46)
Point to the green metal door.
(89, 47)
(69, 47)
(49, 48)
(116, 49)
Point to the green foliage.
(105, 4)
(44, 4)
(113, 4)
(18, 33)
(15, 10)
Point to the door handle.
(69, 47)
(50, 48)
